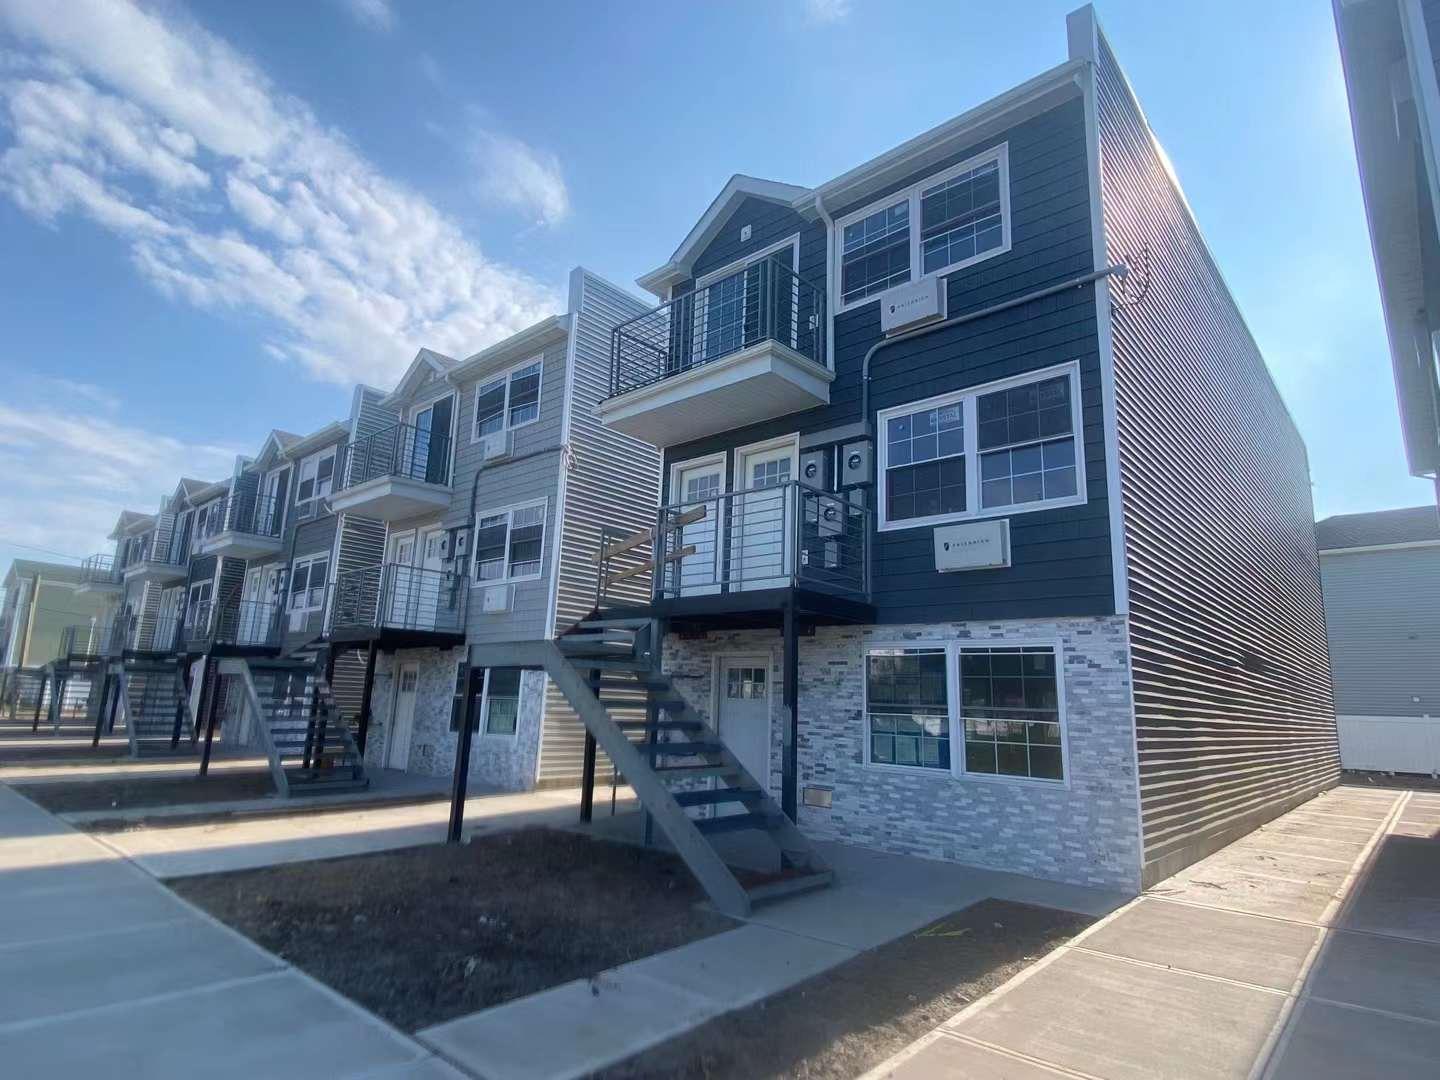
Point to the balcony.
(88, 642)
(743, 554)
(99, 574)
(243, 527)
(747, 348)
(399, 605)
(243, 625)
(400, 472)
(161, 563)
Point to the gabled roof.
(275, 445)
(131, 521)
(428, 364)
(316, 440)
(740, 187)
(518, 346)
(1383, 528)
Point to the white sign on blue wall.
(975, 545)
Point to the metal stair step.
(609, 624)
(718, 796)
(669, 773)
(687, 749)
(733, 823)
(662, 725)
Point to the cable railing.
(766, 301)
(100, 570)
(253, 515)
(402, 451)
(786, 536)
(249, 623)
(399, 598)
(86, 640)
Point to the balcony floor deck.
(749, 609)
(389, 638)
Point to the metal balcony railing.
(766, 301)
(87, 640)
(402, 451)
(253, 515)
(399, 598)
(100, 570)
(786, 536)
(252, 623)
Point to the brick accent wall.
(1086, 832)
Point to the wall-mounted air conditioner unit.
(495, 446)
(495, 600)
(909, 306)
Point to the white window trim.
(780, 442)
(675, 496)
(509, 511)
(792, 242)
(968, 397)
(504, 375)
(413, 411)
(320, 455)
(911, 195)
(484, 731)
(307, 560)
(952, 648)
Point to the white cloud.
(374, 14)
(511, 173)
(102, 467)
(234, 197)
(826, 11)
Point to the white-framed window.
(510, 543)
(946, 222)
(498, 711)
(316, 481)
(1005, 447)
(510, 399)
(308, 577)
(967, 709)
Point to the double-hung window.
(510, 543)
(497, 711)
(508, 401)
(316, 480)
(945, 222)
(998, 705)
(1004, 447)
(307, 583)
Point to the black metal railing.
(86, 640)
(251, 623)
(401, 451)
(100, 570)
(253, 515)
(399, 598)
(766, 301)
(786, 536)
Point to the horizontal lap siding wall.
(1234, 714)
(1062, 562)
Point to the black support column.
(365, 696)
(789, 771)
(470, 715)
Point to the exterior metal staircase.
(156, 708)
(673, 760)
(311, 748)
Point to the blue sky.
(284, 198)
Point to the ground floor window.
(498, 709)
(1010, 704)
(907, 708)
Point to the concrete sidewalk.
(105, 972)
(1308, 949)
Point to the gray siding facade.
(1382, 620)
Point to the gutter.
(1119, 269)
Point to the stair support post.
(789, 772)
(365, 695)
(587, 767)
(474, 688)
(209, 675)
(100, 712)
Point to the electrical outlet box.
(857, 463)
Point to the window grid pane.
(961, 218)
(1010, 703)
(908, 708)
(490, 408)
(876, 252)
(525, 395)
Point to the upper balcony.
(397, 473)
(745, 348)
(88, 642)
(163, 563)
(399, 605)
(99, 574)
(742, 557)
(242, 625)
(243, 526)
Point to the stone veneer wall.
(500, 761)
(1086, 832)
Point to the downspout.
(829, 262)
(1120, 269)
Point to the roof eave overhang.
(517, 346)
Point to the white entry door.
(402, 557)
(744, 718)
(428, 579)
(698, 487)
(252, 610)
(762, 519)
(402, 725)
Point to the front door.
(403, 725)
(696, 488)
(252, 619)
(762, 519)
(430, 450)
(744, 718)
(429, 578)
(399, 601)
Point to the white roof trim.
(739, 186)
(425, 358)
(516, 347)
(1402, 546)
(331, 432)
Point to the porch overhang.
(160, 573)
(389, 638)
(391, 498)
(240, 545)
(99, 588)
(761, 382)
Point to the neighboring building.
(41, 600)
(970, 549)
(1381, 573)
(1389, 50)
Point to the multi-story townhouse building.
(985, 534)
(43, 602)
(489, 479)
(1389, 50)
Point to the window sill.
(1024, 781)
(983, 515)
(475, 437)
(911, 770)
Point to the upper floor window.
(1004, 447)
(945, 222)
(510, 400)
(307, 582)
(317, 478)
(509, 543)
